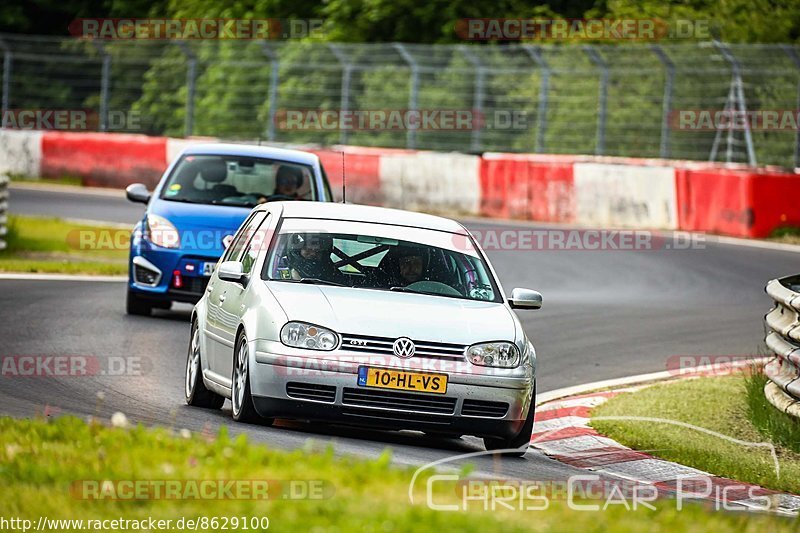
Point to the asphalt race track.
(606, 314)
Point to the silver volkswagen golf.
(368, 316)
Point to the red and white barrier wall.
(584, 190)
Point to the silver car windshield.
(237, 181)
(373, 262)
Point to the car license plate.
(383, 378)
(208, 268)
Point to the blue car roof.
(251, 150)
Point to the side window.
(258, 242)
(243, 237)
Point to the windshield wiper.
(313, 281)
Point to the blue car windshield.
(237, 181)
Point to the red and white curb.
(562, 432)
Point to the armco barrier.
(104, 160)
(783, 337)
(3, 211)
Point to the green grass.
(64, 180)
(718, 404)
(786, 234)
(40, 461)
(55, 246)
(776, 426)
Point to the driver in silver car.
(309, 256)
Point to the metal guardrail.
(783, 336)
(603, 99)
(3, 211)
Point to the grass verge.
(786, 234)
(719, 404)
(776, 426)
(51, 245)
(43, 459)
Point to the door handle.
(210, 288)
(222, 297)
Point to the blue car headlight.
(161, 232)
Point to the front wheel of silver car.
(517, 445)
(195, 389)
(242, 401)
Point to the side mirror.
(231, 271)
(137, 192)
(525, 299)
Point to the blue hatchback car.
(200, 202)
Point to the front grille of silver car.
(383, 345)
(401, 401)
(310, 391)
(484, 408)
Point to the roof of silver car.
(365, 213)
(251, 150)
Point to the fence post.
(737, 95)
(792, 53)
(3, 211)
(191, 75)
(477, 97)
(669, 80)
(602, 97)
(7, 56)
(544, 93)
(413, 92)
(273, 89)
(347, 70)
(104, 84)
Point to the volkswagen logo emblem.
(404, 347)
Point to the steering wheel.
(436, 287)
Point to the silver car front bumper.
(486, 402)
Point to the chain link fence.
(611, 99)
(3, 211)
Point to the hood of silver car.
(396, 314)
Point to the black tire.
(242, 408)
(195, 390)
(136, 305)
(518, 444)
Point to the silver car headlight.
(309, 336)
(162, 232)
(496, 354)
